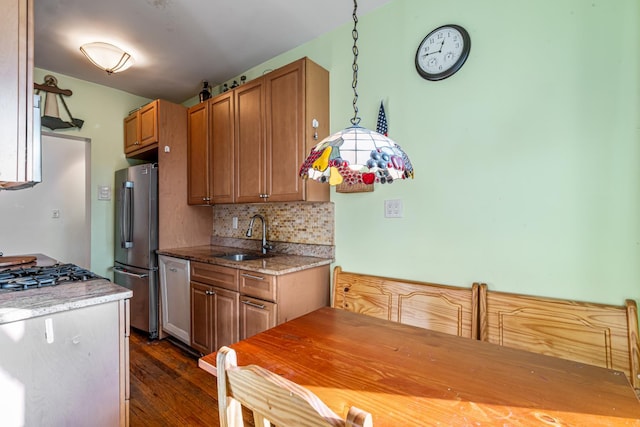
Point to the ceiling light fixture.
(356, 155)
(107, 57)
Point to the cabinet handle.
(253, 304)
(250, 276)
(173, 269)
(209, 292)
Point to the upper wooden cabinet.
(198, 155)
(151, 125)
(258, 135)
(210, 151)
(250, 147)
(296, 95)
(16, 86)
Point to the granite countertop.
(22, 305)
(275, 264)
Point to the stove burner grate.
(24, 278)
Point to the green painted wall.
(526, 160)
(103, 110)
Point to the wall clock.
(442, 52)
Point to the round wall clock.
(442, 52)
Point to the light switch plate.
(104, 192)
(393, 208)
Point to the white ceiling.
(177, 44)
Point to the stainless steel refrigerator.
(136, 242)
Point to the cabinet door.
(198, 155)
(131, 138)
(201, 318)
(250, 149)
(226, 327)
(174, 294)
(221, 120)
(16, 86)
(148, 124)
(256, 316)
(284, 92)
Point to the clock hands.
(435, 51)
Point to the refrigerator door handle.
(123, 271)
(126, 225)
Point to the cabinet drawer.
(258, 285)
(257, 316)
(216, 275)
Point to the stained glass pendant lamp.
(356, 155)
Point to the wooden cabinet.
(153, 124)
(228, 304)
(179, 224)
(275, 133)
(214, 309)
(141, 129)
(296, 95)
(16, 86)
(175, 307)
(267, 301)
(258, 135)
(249, 143)
(257, 316)
(211, 144)
(198, 155)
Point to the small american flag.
(382, 122)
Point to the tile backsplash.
(310, 223)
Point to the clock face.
(442, 52)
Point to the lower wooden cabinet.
(256, 315)
(214, 311)
(228, 304)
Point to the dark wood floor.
(167, 387)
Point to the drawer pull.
(173, 269)
(209, 292)
(250, 276)
(253, 304)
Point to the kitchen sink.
(243, 256)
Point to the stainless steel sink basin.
(243, 256)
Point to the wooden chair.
(273, 399)
(443, 308)
(596, 334)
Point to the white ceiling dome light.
(107, 57)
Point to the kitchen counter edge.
(276, 264)
(16, 306)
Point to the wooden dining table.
(409, 376)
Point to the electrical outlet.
(234, 222)
(393, 208)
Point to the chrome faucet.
(265, 245)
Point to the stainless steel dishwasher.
(175, 298)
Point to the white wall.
(27, 222)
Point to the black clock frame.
(458, 64)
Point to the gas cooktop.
(24, 278)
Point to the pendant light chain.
(354, 84)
